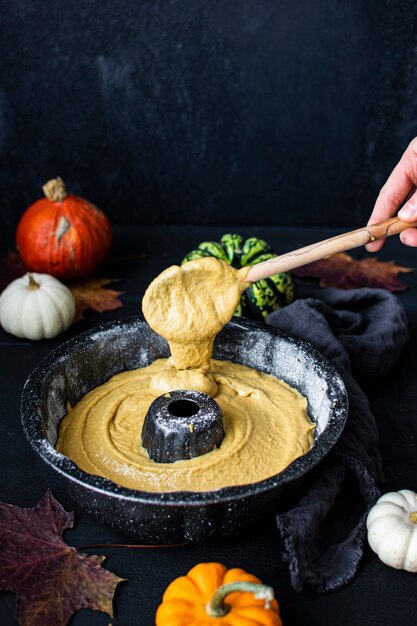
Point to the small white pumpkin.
(392, 529)
(36, 306)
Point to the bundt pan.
(90, 359)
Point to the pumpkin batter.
(265, 420)
(189, 305)
(265, 423)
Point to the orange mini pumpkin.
(62, 234)
(198, 599)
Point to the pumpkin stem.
(55, 190)
(413, 517)
(32, 285)
(218, 608)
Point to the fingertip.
(374, 246)
(409, 237)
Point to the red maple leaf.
(51, 579)
(89, 293)
(11, 267)
(345, 272)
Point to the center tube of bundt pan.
(181, 425)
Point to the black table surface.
(378, 595)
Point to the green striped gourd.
(262, 297)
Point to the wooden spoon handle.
(327, 247)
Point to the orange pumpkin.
(198, 599)
(62, 234)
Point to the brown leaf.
(11, 267)
(344, 272)
(89, 293)
(51, 579)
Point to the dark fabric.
(362, 332)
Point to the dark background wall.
(207, 111)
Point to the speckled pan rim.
(32, 427)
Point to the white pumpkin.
(36, 306)
(392, 529)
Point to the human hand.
(400, 186)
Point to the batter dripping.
(265, 420)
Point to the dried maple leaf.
(345, 272)
(89, 293)
(11, 267)
(52, 580)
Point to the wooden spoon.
(327, 247)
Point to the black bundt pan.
(90, 359)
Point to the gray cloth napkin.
(361, 332)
